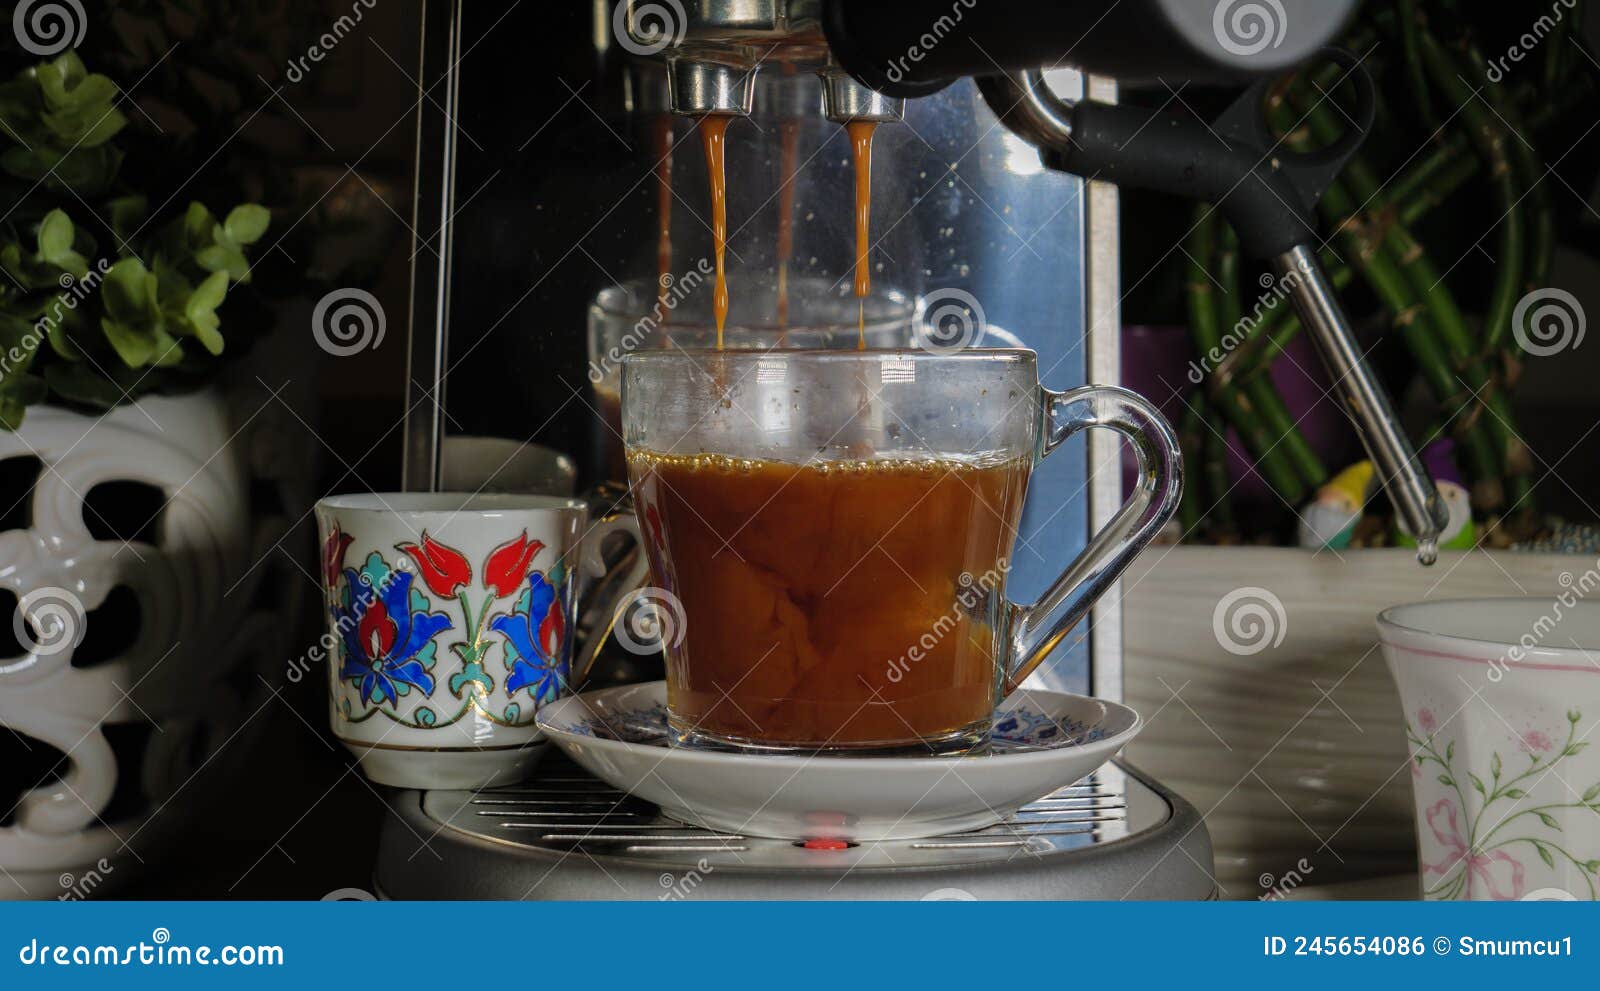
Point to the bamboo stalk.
(1279, 325)
(1416, 194)
(1410, 31)
(1384, 269)
(1191, 428)
(1528, 169)
(1233, 403)
(1262, 393)
(1489, 139)
(1216, 472)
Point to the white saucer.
(1042, 741)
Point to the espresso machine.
(562, 219)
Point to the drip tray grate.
(564, 810)
(564, 835)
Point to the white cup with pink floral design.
(1502, 702)
(450, 623)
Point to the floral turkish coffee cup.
(1501, 697)
(450, 618)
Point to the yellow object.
(1349, 486)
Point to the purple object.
(1159, 362)
(1439, 458)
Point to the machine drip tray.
(566, 835)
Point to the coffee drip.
(713, 130)
(861, 155)
(714, 139)
(663, 150)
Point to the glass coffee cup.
(831, 533)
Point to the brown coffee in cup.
(835, 604)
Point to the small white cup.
(1501, 699)
(451, 616)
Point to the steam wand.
(1268, 194)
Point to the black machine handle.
(908, 48)
(1268, 193)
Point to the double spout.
(698, 87)
(716, 48)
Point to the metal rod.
(1402, 474)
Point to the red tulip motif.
(333, 549)
(443, 568)
(508, 564)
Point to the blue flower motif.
(536, 640)
(387, 635)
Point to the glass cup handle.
(1034, 631)
(592, 566)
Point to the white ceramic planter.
(198, 638)
(1292, 746)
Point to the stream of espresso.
(789, 134)
(713, 136)
(663, 138)
(861, 152)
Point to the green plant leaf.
(56, 235)
(1494, 765)
(79, 383)
(198, 223)
(135, 347)
(246, 223)
(127, 214)
(129, 294)
(1549, 820)
(15, 398)
(1477, 784)
(1447, 781)
(1450, 751)
(1592, 793)
(224, 258)
(1544, 855)
(200, 311)
(60, 336)
(1516, 793)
